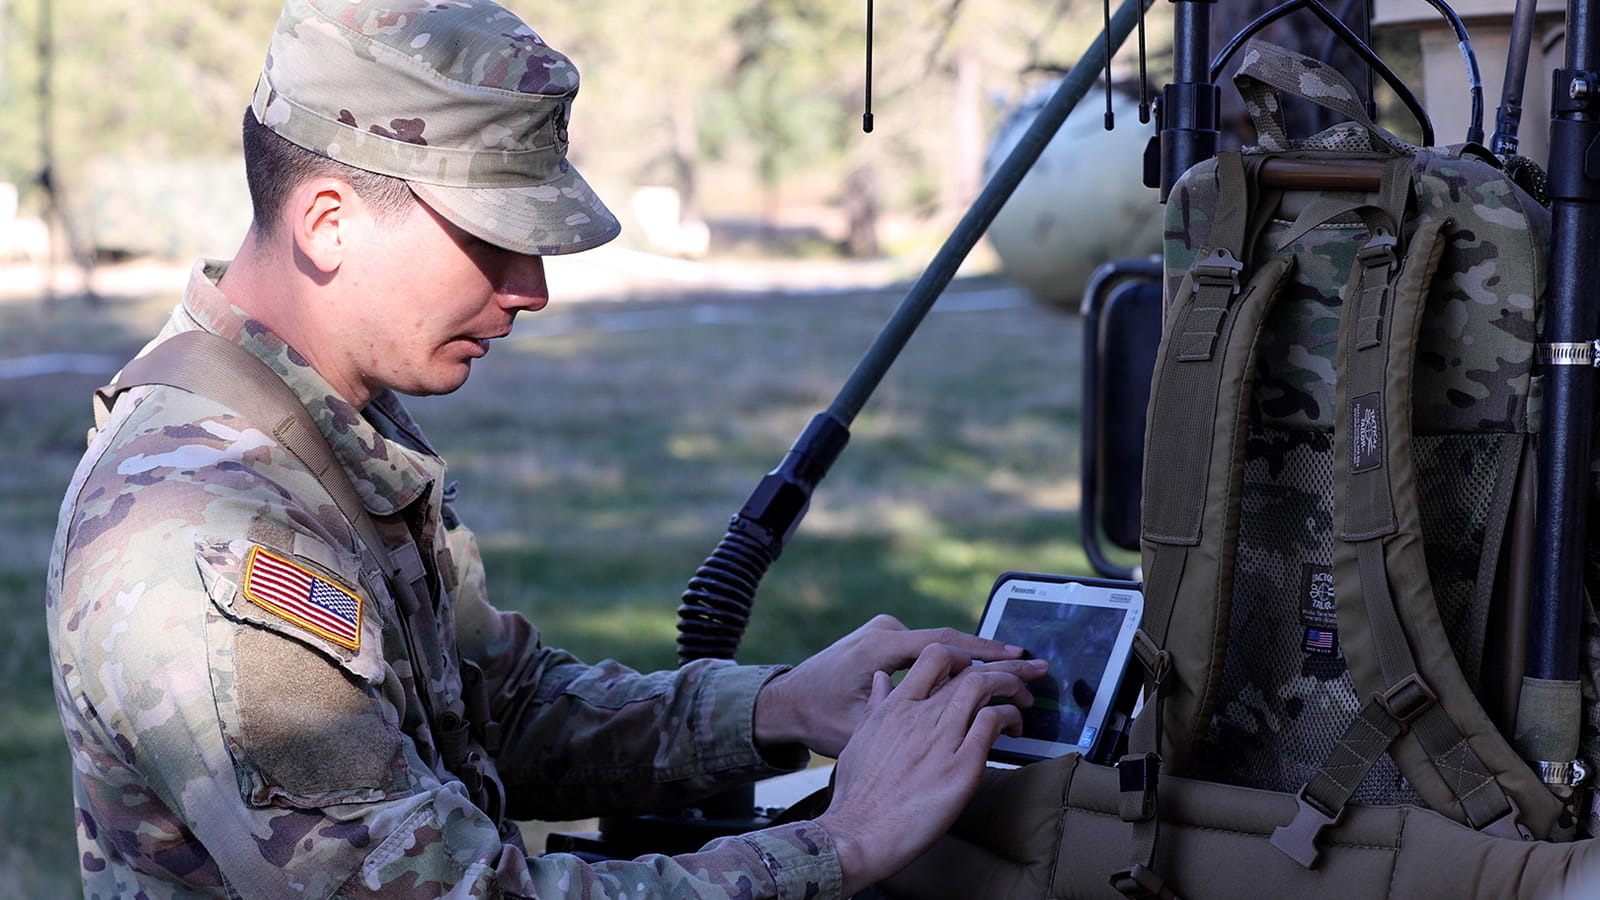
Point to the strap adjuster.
(1156, 661)
(1379, 251)
(1406, 701)
(1220, 269)
(1140, 883)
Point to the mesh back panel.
(1285, 699)
(1282, 707)
(1464, 486)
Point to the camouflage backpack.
(1363, 362)
(1343, 408)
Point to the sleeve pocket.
(304, 726)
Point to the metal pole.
(1547, 732)
(1508, 119)
(1191, 104)
(1570, 318)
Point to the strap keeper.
(1298, 839)
(1406, 701)
(1137, 777)
(1140, 883)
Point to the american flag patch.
(289, 590)
(1320, 641)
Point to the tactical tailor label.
(1366, 432)
(1317, 612)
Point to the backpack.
(1339, 431)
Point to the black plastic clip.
(1298, 839)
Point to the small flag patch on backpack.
(1319, 640)
(291, 591)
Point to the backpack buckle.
(1406, 701)
(1220, 269)
(1298, 839)
(1379, 252)
(1140, 883)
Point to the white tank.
(1082, 204)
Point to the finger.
(987, 725)
(881, 686)
(971, 644)
(977, 687)
(1026, 669)
(935, 665)
(894, 649)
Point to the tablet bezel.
(1081, 591)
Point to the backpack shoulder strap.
(1199, 401)
(1193, 465)
(212, 366)
(1384, 597)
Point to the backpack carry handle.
(1350, 39)
(1270, 71)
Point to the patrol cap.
(457, 97)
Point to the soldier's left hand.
(820, 702)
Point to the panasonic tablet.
(1084, 627)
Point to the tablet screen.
(1084, 628)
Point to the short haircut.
(275, 167)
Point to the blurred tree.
(739, 104)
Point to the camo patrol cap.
(457, 97)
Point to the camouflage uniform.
(226, 740)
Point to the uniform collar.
(384, 451)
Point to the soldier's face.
(434, 298)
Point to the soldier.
(269, 693)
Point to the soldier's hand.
(820, 702)
(916, 758)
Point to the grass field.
(600, 451)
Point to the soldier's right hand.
(916, 758)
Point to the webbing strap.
(1199, 395)
(1184, 397)
(212, 366)
(1369, 515)
(1378, 340)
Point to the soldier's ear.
(322, 218)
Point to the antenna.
(866, 117)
